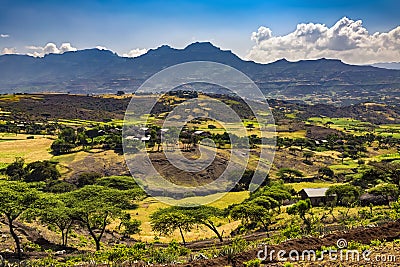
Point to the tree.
(249, 212)
(307, 155)
(68, 135)
(58, 186)
(92, 133)
(345, 195)
(94, 206)
(87, 178)
(166, 221)
(118, 182)
(326, 172)
(389, 191)
(131, 226)
(301, 142)
(276, 191)
(53, 210)
(302, 208)
(82, 139)
(16, 171)
(17, 198)
(39, 171)
(396, 208)
(60, 146)
(288, 174)
(205, 215)
(257, 210)
(370, 178)
(261, 206)
(344, 155)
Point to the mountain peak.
(201, 46)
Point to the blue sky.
(125, 25)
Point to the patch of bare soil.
(388, 232)
(182, 177)
(295, 160)
(319, 133)
(106, 163)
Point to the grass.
(150, 205)
(296, 134)
(29, 149)
(348, 125)
(300, 186)
(393, 156)
(392, 130)
(347, 165)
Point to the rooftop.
(315, 192)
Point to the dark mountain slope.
(101, 71)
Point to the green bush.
(292, 231)
(253, 263)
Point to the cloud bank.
(9, 51)
(135, 52)
(50, 48)
(347, 40)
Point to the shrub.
(292, 231)
(253, 263)
(87, 178)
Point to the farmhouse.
(316, 195)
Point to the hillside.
(101, 71)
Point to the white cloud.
(101, 47)
(50, 48)
(66, 47)
(135, 52)
(4, 35)
(347, 40)
(9, 51)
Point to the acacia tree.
(16, 199)
(288, 174)
(41, 171)
(130, 226)
(256, 210)
(389, 191)
(345, 195)
(95, 206)
(205, 215)
(166, 221)
(16, 171)
(276, 192)
(53, 210)
(326, 172)
(302, 208)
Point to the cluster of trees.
(69, 138)
(381, 179)
(352, 146)
(38, 171)
(256, 211)
(259, 209)
(29, 127)
(91, 204)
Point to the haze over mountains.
(102, 71)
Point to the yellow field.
(13, 146)
(150, 205)
(296, 134)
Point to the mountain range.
(94, 71)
